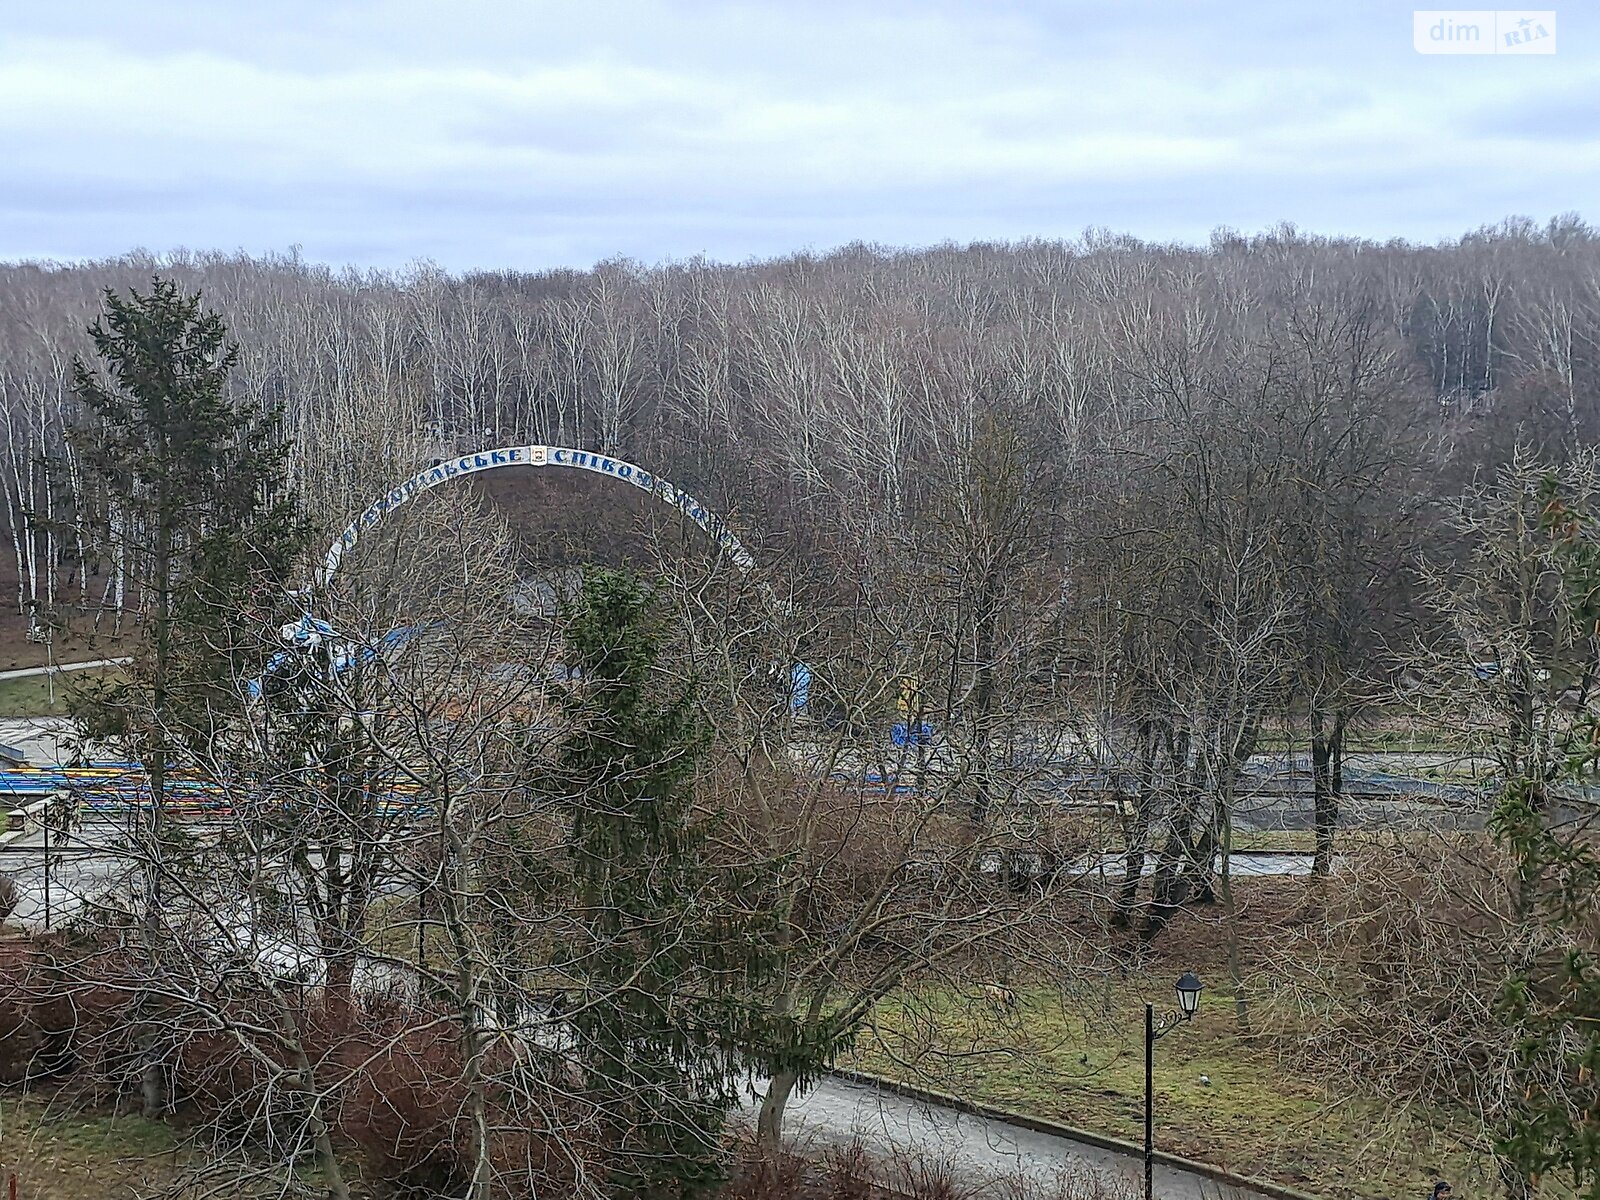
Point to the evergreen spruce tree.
(190, 496)
(670, 957)
(1550, 1001)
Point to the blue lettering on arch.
(443, 470)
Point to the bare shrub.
(924, 1176)
(1389, 990)
(1078, 1182)
(852, 1171)
(64, 1010)
(216, 1078)
(847, 1172)
(17, 1043)
(402, 1107)
(1395, 980)
(779, 1175)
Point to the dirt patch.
(79, 640)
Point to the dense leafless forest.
(813, 395)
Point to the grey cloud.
(488, 134)
(1569, 115)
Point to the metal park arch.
(537, 456)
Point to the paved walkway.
(58, 668)
(38, 740)
(82, 869)
(983, 1154)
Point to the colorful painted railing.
(110, 788)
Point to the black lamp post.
(45, 824)
(1188, 988)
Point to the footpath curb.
(1068, 1133)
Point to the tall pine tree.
(190, 497)
(669, 955)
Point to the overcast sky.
(513, 133)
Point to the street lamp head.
(1189, 986)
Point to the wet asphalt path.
(982, 1153)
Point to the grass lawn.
(72, 1156)
(39, 695)
(59, 1153)
(31, 697)
(1300, 841)
(1082, 1062)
